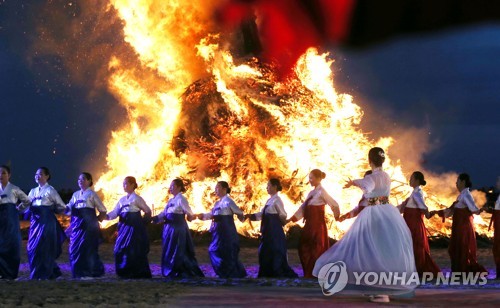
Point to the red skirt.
(314, 239)
(496, 240)
(462, 247)
(421, 250)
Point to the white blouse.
(46, 196)
(128, 204)
(415, 200)
(464, 201)
(177, 205)
(225, 206)
(377, 184)
(317, 196)
(274, 205)
(12, 194)
(86, 199)
(497, 204)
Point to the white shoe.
(379, 299)
(86, 278)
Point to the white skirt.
(378, 242)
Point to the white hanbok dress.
(378, 241)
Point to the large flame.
(235, 121)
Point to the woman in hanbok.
(273, 257)
(45, 234)
(132, 243)
(462, 248)
(414, 209)
(378, 241)
(495, 221)
(10, 233)
(178, 257)
(85, 231)
(225, 246)
(314, 239)
(363, 202)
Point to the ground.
(211, 291)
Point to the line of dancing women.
(380, 239)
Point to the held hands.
(343, 217)
(102, 216)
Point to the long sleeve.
(186, 208)
(115, 212)
(331, 202)
(236, 210)
(98, 204)
(469, 201)
(366, 184)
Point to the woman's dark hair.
(377, 156)
(179, 183)
(367, 172)
(417, 175)
(276, 183)
(318, 174)
(225, 185)
(6, 168)
(131, 180)
(465, 177)
(46, 171)
(88, 177)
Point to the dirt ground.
(110, 291)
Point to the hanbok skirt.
(462, 248)
(10, 241)
(132, 247)
(178, 257)
(273, 258)
(225, 248)
(421, 249)
(377, 244)
(44, 243)
(314, 238)
(496, 240)
(84, 244)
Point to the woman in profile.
(132, 244)
(273, 257)
(462, 248)
(414, 210)
(225, 246)
(378, 241)
(314, 238)
(178, 257)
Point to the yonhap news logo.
(333, 278)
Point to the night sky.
(445, 82)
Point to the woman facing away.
(132, 244)
(414, 209)
(314, 238)
(495, 221)
(225, 246)
(462, 248)
(45, 234)
(178, 257)
(273, 257)
(10, 233)
(378, 241)
(85, 231)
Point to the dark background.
(445, 82)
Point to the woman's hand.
(349, 183)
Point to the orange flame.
(267, 127)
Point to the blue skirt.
(84, 244)
(10, 241)
(132, 247)
(44, 243)
(225, 248)
(273, 258)
(178, 257)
